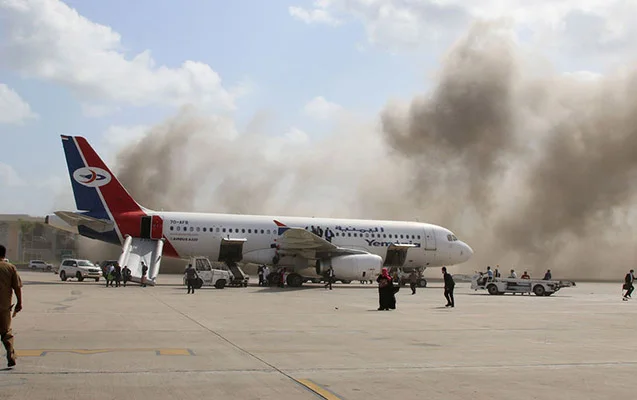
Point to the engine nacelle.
(263, 256)
(352, 266)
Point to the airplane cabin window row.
(271, 231)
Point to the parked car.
(80, 269)
(39, 264)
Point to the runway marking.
(159, 352)
(318, 389)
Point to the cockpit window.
(449, 238)
(454, 237)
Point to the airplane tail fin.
(97, 191)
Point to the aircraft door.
(430, 239)
(157, 228)
(145, 227)
(204, 270)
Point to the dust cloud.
(533, 168)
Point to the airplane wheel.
(294, 280)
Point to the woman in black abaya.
(386, 291)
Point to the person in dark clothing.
(547, 276)
(191, 278)
(329, 278)
(413, 281)
(386, 291)
(144, 271)
(628, 284)
(126, 274)
(449, 285)
(118, 275)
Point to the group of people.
(114, 274)
(387, 290)
(489, 275)
(267, 277)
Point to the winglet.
(282, 227)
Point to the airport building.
(28, 238)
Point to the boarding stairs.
(136, 250)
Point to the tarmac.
(80, 340)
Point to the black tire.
(220, 284)
(492, 289)
(294, 280)
(539, 290)
(345, 281)
(422, 282)
(97, 279)
(79, 277)
(198, 283)
(63, 276)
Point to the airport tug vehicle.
(497, 286)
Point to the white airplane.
(306, 247)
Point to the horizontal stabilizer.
(77, 219)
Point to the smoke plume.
(534, 169)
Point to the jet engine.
(352, 266)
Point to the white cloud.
(585, 27)
(9, 177)
(316, 15)
(98, 110)
(320, 108)
(13, 109)
(47, 39)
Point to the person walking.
(413, 280)
(628, 284)
(449, 286)
(118, 274)
(144, 272)
(126, 274)
(329, 277)
(191, 278)
(10, 283)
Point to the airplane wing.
(300, 241)
(77, 219)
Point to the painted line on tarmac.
(318, 389)
(159, 352)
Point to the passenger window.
(349, 234)
(268, 231)
(418, 236)
(243, 231)
(218, 230)
(262, 231)
(384, 235)
(249, 230)
(178, 228)
(198, 229)
(356, 235)
(192, 229)
(171, 228)
(367, 235)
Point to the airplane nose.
(465, 252)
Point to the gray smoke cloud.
(532, 168)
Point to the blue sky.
(355, 54)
